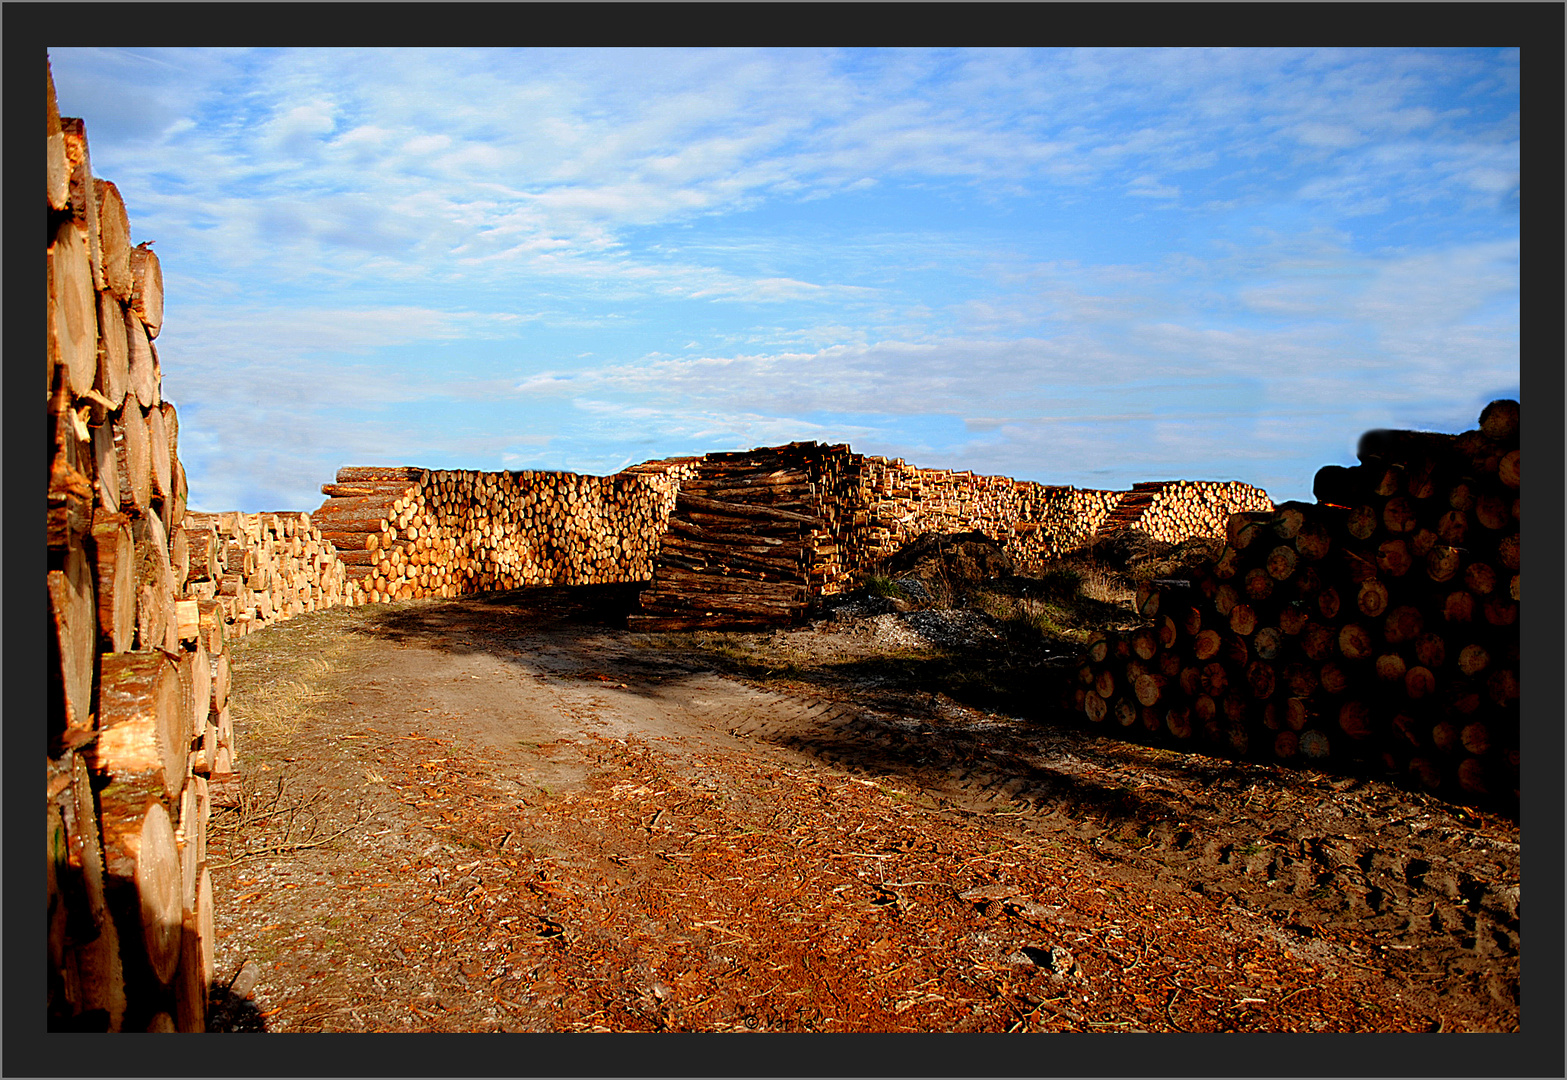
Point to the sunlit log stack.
(256, 569)
(1171, 511)
(1376, 628)
(137, 716)
(404, 532)
(896, 502)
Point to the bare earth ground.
(506, 813)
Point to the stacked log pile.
(407, 532)
(251, 570)
(1035, 522)
(1376, 628)
(1174, 510)
(748, 542)
(858, 510)
(137, 717)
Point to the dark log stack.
(1376, 629)
(746, 542)
(137, 691)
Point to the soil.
(508, 813)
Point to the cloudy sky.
(1086, 267)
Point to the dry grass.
(1098, 583)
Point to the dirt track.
(503, 813)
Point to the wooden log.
(1403, 623)
(133, 457)
(368, 489)
(141, 363)
(1499, 421)
(742, 511)
(158, 444)
(146, 300)
(105, 466)
(71, 489)
(114, 239)
(112, 379)
(1508, 469)
(73, 325)
(115, 566)
(57, 170)
(141, 859)
(198, 960)
(94, 942)
(73, 636)
(82, 191)
(1314, 744)
(141, 723)
(349, 474)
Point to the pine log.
(221, 675)
(113, 373)
(106, 472)
(82, 191)
(94, 941)
(73, 636)
(57, 172)
(1499, 421)
(368, 489)
(197, 959)
(133, 457)
(350, 474)
(73, 326)
(141, 722)
(115, 565)
(146, 300)
(143, 873)
(114, 239)
(71, 488)
(158, 442)
(742, 511)
(141, 363)
(152, 557)
(196, 682)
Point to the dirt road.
(504, 813)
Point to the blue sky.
(1086, 267)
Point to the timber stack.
(1170, 511)
(252, 570)
(1376, 628)
(404, 532)
(137, 715)
(747, 544)
(757, 536)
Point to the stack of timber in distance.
(1171, 511)
(863, 509)
(137, 722)
(257, 569)
(405, 532)
(878, 505)
(747, 538)
(1375, 629)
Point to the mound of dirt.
(949, 563)
(1134, 552)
